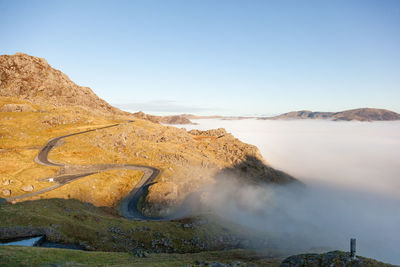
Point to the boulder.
(7, 182)
(6, 192)
(27, 188)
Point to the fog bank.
(352, 173)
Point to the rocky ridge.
(33, 79)
(361, 114)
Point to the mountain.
(361, 114)
(38, 103)
(367, 114)
(31, 78)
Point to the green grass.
(101, 229)
(33, 256)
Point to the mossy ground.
(33, 256)
(102, 229)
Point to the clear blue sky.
(226, 57)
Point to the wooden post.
(353, 248)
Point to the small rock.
(6, 192)
(27, 188)
(217, 264)
(141, 253)
(7, 182)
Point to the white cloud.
(352, 172)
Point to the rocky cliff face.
(32, 78)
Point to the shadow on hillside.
(254, 170)
(251, 171)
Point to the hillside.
(33, 79)
(361, 114)
(33, 256)
(333, 258)
(175, 119)
(101, 229)
(39, 103)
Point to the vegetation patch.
(101, 229)
(33, 256)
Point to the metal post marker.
(353, 248)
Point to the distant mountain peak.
(359, 114)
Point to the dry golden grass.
(203, 138)
(103, 189)
(22, 134)
(186, 161)
(18, 167)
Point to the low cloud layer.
(352, 173)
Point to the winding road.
(128, 207)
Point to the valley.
(81, 172)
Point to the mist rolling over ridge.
(351, 171)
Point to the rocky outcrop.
(220, 132)
(178, 119)
(32, 78)
(17, 108)
(148, 117)
(218, 155)
(6, 192)
(7, 182)
(27, 188)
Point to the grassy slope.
(82, 223)
(333, 258)
(43, 256)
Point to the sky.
(217, 57)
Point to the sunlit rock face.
(32, 78)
